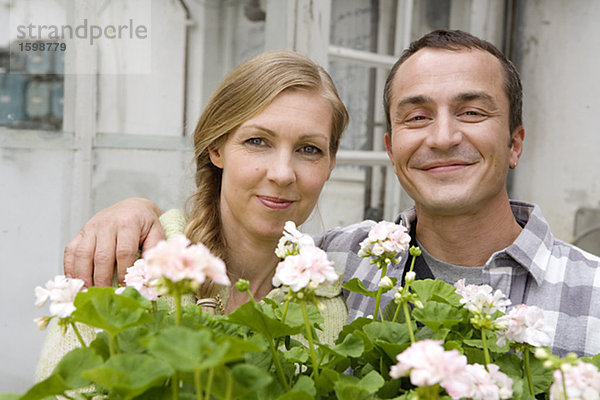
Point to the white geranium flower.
(479, 299)
(61, 292)
(524, 324)
(582, 382)
(292, 240)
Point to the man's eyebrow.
(414, 100)
(471, 96)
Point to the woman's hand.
(114, 233)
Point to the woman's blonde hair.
(246, 92)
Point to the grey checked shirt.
(536, 269)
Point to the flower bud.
(418, 304)
(313, 285)
(300, 295)
(42, 322)
(415, 251)
(541, 354)
(410, 277)
(547, 364)
(242, 285)
(386, 283)
(566, 367)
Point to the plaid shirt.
(536, 269)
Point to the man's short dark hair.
(456, 40)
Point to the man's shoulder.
(344, 238)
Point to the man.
(454, 128)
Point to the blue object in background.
(12, 98)
(57, 100)
(39, 62)
(59, 62)
(37, 99)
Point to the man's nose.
(445, 133)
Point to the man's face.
(450, 141)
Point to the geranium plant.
(433, 341)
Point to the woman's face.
(275, 165)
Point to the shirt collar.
(533, 247)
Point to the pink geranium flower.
(139, 277)
(309, 267)
(524, 324)
(385, 238)
(61, 292)
(175, 260)
(429, 364)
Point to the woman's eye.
(310, 150)
(255, 141)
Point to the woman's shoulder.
(173, 222)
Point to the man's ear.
(215, 156)
(388, 146)
(516, 146)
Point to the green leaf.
(352, 346)
(250, 378)
(298, 354)
(186, 349)
(428, 289)
(9, 396)
(355, 285)
(295, 317)
(371, 382)
(252, 315)
(306, 385)
(134, 294)
(102, 308)
(387, 331)
(435, 315)
(350, 388)
(129, 375)
(67, 375)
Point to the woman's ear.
(215, 156)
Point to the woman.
(264, 147)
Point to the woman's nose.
(281, 169)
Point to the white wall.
(560, 168)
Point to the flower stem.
(211, 374)
(397, 312)
(486, 353)
(175, 386)
(79, 337)
(112, 344)
(528, 372)
(177, 308)
(379, 292)
(564, 384)
(229, 387)
(309, 336)
(408, 321)
(198, 384)
(285, 310)
(278, 366)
